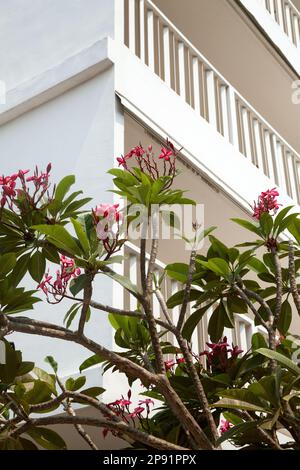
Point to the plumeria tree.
(189, 399)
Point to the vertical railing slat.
(211, 97)
(150, 39)
(181, 65)
(132, 25)
(142, 30)
(166, 52)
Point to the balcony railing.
(286, 16)
(244, 326)
(168, 53)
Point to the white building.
(82, 81)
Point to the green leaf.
(71, 313)
(216, 324)
(79, 283)
(59, 236)
(37, 266)
(63, 187)
(248, 225)
(193, 320)
(266, 223)
(177, 298)
(237, 404)
(236, 305)
(285, 318)
(123, 281)
(47, 438)
(237, 429)
(39, 393)
(8, 370)
(281, 359)
(93, 391)
(218, 265)
(7, 263)
(20, 269)
(257, 266)
(75, 384)
(280, 216)
(50, 360)
(258, 341)
(91, 361)
(82, 237)
(178, 271)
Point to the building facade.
(82, 81)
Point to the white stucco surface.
(76, 133)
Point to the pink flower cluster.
(107, 218)
(218, 356)
(58, 287)
(171, 363)
(8, 184)
(121, 408)
(225, 426)
(16, 185)
(267, 202)
(146, 161)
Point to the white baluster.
(224, 106)
(211, 97)
(269, 154)
(279, 8)
(278, 149)
(167, 61)
(181, 66)
(232, 117)
(289, 21)
(272, 8)
(258, 145)
(297, 31)
(131, 15)
(142, 30)
(246, 133)
(290, 165)
(150, 24)
(197, 84)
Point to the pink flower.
(166, 154)
(136, 412)
(267, 202)
(169, 364)
(225, 426)
(66, 272)
(121, 161)
(235, 351)
(146, 402)
(108, 211)
(180, 360)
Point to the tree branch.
(292, 276)
(187, 290)
(88, 291)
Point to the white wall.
(36, 35)
(76, 133)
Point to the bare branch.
(119, 427)
(187, 290)
(292, 276)
(88, 291)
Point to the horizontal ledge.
(51, 83)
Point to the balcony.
(286, 16)
(159, 45)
